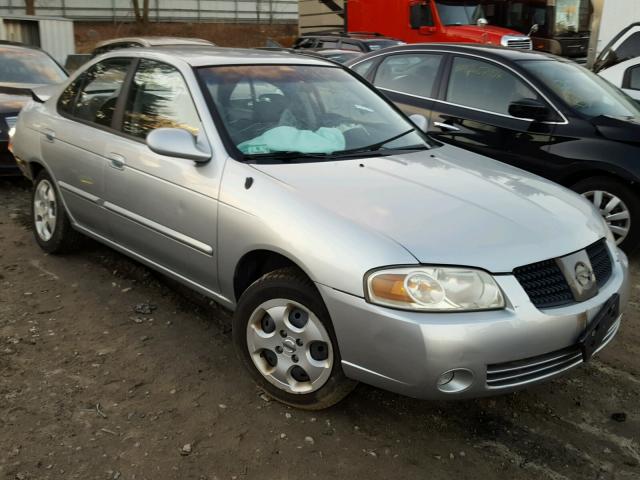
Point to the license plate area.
(593, 336)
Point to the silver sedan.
(350, 246)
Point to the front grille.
(522, 44)
(600, 261)
(533, 369)
(545, 284)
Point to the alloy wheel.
(45, 210)
(614, 211)
(289, 346)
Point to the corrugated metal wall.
(318, 15)
(266, 11)
(53, 35)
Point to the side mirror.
(420, 121)
(482, 22)
(534, 29)
(529, 108)
(176, 142)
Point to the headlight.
(434, 289)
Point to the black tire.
(290, 284)
(624, 193)
(64, 238)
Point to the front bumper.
(406, 352)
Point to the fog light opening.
(455, 381)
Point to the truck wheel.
(284, 337)
(618, 205)
(50, 222)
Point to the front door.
(472, 112)
(162, 208)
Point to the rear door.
(409, 80)
(472, 112)
(161, 207)
(75, 140)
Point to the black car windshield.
(459, 12)
(26, 65)
(320, 111)
(582, 90)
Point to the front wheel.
(618, 205)
(284, 337)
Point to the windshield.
(459, 12)
(303, 109)
(25, 65)
(582, 90)
(572, 16)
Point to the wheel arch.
(577, 176)
(256, 263)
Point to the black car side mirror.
(531, 109)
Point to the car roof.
(18, 45)
(209, 56)
(489, 51)
(155, 41)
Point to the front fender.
(266, 214)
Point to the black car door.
(409, 80)
(472, 112)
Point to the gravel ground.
(90, 389)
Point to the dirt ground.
(90, 389)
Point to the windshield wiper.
(376, 148)
(287, 155)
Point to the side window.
(67, 101)
(363, 68)
(92, 97)
(630, 48)
(159, 98)
(414, 74)
(486, 86)
(420, 15)
(632, 78)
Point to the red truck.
(413, 21)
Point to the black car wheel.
(618, 205)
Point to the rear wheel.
(51, 225)
(284, 337)
(618, 205)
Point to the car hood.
(473, 32)
(450, 206)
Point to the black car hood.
(618, 129)
(14, 96)
(12, 104)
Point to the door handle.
(446, 126)
(117, 161)
(49, 134)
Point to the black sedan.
(22, 68)
(530, 109)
